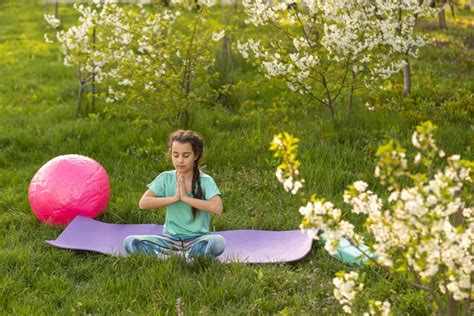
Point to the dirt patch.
(439, 43)
(427, 26)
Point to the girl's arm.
(214, 205)
(150, 200)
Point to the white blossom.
(360, 186)
(47, 39)
(52, 20)
(346, 289)
(379, 308)
(126, 82)
(369, 107)
(217, 36)
(208, 3)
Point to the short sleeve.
(158, 186)
(210, 189)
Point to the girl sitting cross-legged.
(190, 196)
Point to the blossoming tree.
(83, 47)
(320, 48)
(138, 55)
(160, 64)
(423, 231)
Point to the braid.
(196, 180)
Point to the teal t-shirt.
(179, 216)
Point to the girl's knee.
(218, 245)
(220, 240)
(129, 243)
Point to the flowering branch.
(424, 228)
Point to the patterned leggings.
(162, 246)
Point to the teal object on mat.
(349, 254)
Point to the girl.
(190, 196)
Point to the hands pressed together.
(181, 189)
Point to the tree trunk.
(351, 98)
(56, 9)
(452, 306)
(184, 118)
(165, 3)
(225, 56)
(79, 98)
(93, 72)
(451, 6)
(332, 114)
(442, 19)
(406, 78)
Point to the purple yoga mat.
(250, 246)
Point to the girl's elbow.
(142, 205)
(219, 210)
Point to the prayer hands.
(181, 191)
(182, 188)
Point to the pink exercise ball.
(67, 186)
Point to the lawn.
(38, 122)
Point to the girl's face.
(183, 157)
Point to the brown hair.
(197, 144)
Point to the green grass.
(37, 123)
